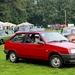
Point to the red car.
(52, 47)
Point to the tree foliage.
(38, 12)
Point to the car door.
(36, 51)
(16, 44)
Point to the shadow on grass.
(43, 63)
(72, 65)
(35, 62)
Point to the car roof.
(33, 32)
(27, 32)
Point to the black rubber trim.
(68, 57)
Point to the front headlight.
(72, 51)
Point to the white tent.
(25, 24)
(9, 24)
(2, 23)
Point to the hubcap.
(55, 62)
(12, 57)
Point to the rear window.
(18, 38)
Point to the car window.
(31, 38)
(18, 38)
(10, 32)
(37, 39)
(73, 31)
(1, 32)
(65, 30)
(53, 36)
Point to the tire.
(56, 61)
(13, 57)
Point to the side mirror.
(42, 43)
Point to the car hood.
(67, 45)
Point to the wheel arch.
(53, 53)
(12, 51)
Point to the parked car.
(28, 28)
(69, 32)
(52, 47)
(4, 35)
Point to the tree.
(38, 12)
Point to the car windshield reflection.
(53, 37)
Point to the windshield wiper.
(63, 40)
(58, 41)
(53, 41)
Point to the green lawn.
(50, 30)
(26, 67)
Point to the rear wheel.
(56, 61)
(13, 57)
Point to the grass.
(28, 67)
(49, 30)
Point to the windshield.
(67, 30)
(53, 37)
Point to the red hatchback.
(50, 46)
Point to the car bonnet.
(67, 45)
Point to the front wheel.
(56, 61)
(13, 57)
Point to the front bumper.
(68, 57)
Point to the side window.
(29, 38)
(10, 32)
(18, 38)
(64, 31)
(33, 38)
(6, 32)
(37, 39)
